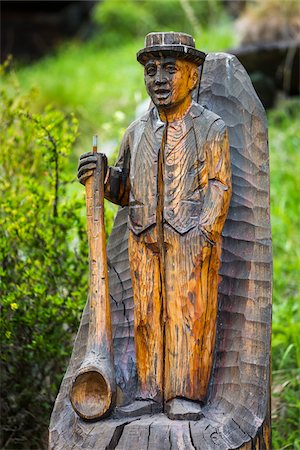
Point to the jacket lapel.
(149, 145)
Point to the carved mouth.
(162, 93)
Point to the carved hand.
(87, 165)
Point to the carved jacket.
(196, 172)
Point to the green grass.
(284, 136)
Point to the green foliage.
(89, 81)
(284, 134)
(130, 19)
(43, 264)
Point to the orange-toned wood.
(174, 348)
(184, 259)
(184, 81)
(175, 319)
(93, 391)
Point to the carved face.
(169, 81)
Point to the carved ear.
(193, 78)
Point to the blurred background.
(69, 71)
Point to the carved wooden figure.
(189, 267)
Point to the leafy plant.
(43, 264)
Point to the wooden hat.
(181, 45)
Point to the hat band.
(182, 51)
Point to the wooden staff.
(93, 389)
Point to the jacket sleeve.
(218, 194)
(117, 184)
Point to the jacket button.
(170, 214)
(170, 175)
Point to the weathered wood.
(241, 376)
(160, 433)
(183, 409)
(262, 440)
(180, 437)
(93, 390)
(136, 434)
(236, 414)
(138, 408)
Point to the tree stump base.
(151, 432)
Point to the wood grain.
(93, 390)
(237, 413)
(240, 390)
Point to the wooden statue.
(189, 269)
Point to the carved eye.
(151, 70)
(171, 68)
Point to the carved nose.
(160, 78)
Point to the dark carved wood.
(241, 377)
(237, 412)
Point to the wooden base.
(263, 438)
(155, 432)
(262, 441)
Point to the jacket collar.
(195, 111)
(146, 116)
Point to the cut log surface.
(237, 412)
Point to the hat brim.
(180, 51)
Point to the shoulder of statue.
(135, 130)
(138, 123)
(199, 111)
(207, 121)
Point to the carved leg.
(191, 291)
(144, 266)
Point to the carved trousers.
(174, 324)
